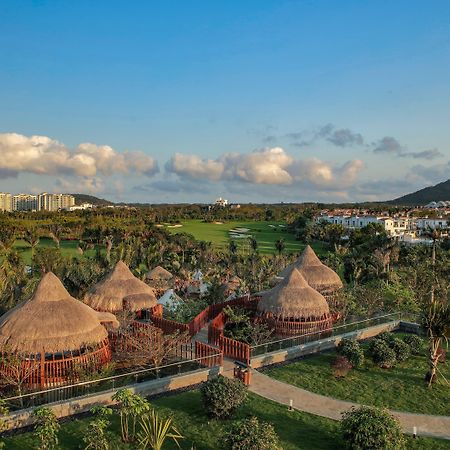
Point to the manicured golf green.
(297, 430)
(220, 234)
(402, 387)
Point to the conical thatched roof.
(159, 274)
(51, 321)
(317, 274)
(293, 297)
(119, 291)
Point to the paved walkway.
(436, 426)
(303, 400)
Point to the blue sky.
(252, 100)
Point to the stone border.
(78, 405)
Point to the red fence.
(169, 326)
(210, 355)
(230, 347)
(235, 349)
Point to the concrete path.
(303, 400)
(436, 426)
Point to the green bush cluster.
(382, 354)
(415, 343)
(401, 349)
(251, 434)
(387, 349)
(369, 428)
(352, 350)
(223, 396)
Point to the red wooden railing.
(169, 326)
(234, 349)
(56, 370)
(210, 356)
(285, 327)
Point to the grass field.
(68, 248)
(266, 234)
(297, 430)
(401, 388)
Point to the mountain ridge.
(438, 192)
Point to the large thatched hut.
(120, 291)
(52, 336)
(293, 307)
(159, 279)
(319, 276)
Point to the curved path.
(303, 400)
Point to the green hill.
(84, 198)
(436, 193)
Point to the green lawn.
(266, 233)
(401, 388)
(68, 248)
(297, 431)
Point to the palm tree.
(233, 247)
(279, 246)
(56, 232)
(31, 237)
(436, 322)
(7, 237)
(253, 244)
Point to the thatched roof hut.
(159, 278)
(293, 299)
(318, 275)
(120, 291)
(51, 321)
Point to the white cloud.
(192, 166)
(272, 166)
(45, 156)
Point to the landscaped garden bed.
(401, 387)
(296, 430)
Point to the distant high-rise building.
(55, 202)
(25, 202)
(5, 201)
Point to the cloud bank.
(270, 166)
(45, 156)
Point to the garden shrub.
(341, 366)
(251, 434)
(352, 350)
(46, 429)
(382, 354)
(386, 337)
(415, 343)
(401, 349)
(222, 396)
(369, 428)
(96, 436)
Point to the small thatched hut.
(294, 307)
(159, 279)
(120, 291)
(319, 276)
(53, 335)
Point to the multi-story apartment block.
(5, 201)
(41, 202)
(25, 202)
(55, 202)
